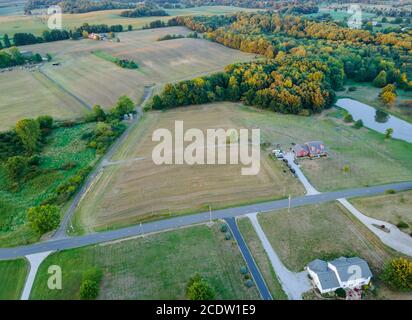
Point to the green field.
(13, 275)
(261, 259)
(393, 208)
(154, 267)
(323, 231)
(372, 159)
(65, 145)
(37, 24)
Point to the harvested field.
(26, 94)
(133, 189)
(97, 81)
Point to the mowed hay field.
(36, 24)
(132, 190)
(97, 81)
(157, 266)
(26, 94)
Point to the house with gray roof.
(339, 273)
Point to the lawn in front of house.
(156, 266)
(324, 231)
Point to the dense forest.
(306, 61)
(291, 84)
(363, 54)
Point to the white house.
(339, 273)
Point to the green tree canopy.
(199, 289)
(43, 219)
(28, 131)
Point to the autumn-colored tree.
(398, 273)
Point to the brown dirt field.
(133, 191)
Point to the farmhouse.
(310, 149)
(339, 273)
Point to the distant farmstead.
(310, 149)
(346, 273)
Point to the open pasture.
(97, 81)
(133, 189)
(26, 94)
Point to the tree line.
(13, 57)
(23, 38)
(290, 85)
(77, 6)
(21, 157)
(146, 9)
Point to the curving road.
(182, 221)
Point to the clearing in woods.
(131, 191)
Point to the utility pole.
(210, 214)
(290, 203)
(141, 229)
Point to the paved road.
(64, 225)
(181, 221)
(253, 268)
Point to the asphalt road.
(253, 268)
(182, 221)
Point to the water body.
(376, 119)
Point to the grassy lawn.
(132, 191)
(154, 267)
(368, 94)
(65, 145)
(323, 231)
(261, 259)
(37, 24)
(393, 208)
(12, 278)
(372, 159)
